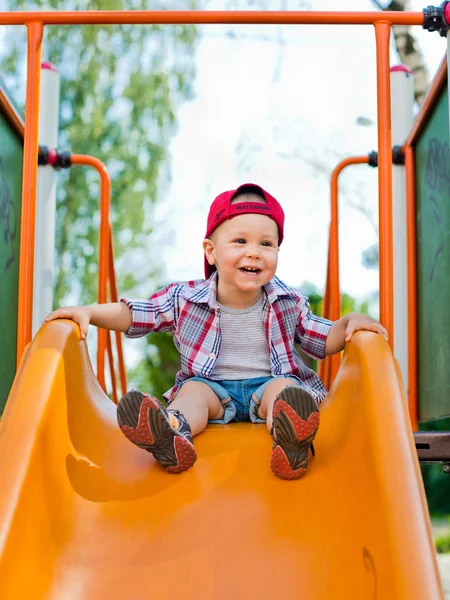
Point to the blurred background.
(181, 113)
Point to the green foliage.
(156, 372)
(120, 87)
(443, 543)
(348, 305)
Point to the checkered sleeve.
(153, 315)
(312, 331)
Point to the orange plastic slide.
(85, 514)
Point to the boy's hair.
(223, 209)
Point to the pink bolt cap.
(402, 68)
(49, 67)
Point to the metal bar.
(335, 294)
(111, 367)
(382, 35)
(105, 195)
(115, 298)
(411, 250)
(196, 17)
(433, 446)
(323, 367)
(329, 367)
(29, 183)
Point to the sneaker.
(146, 423)
(295, 423)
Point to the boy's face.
(244, 249)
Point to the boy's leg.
(265, 410)
(198, 403)
(294, 423)
(166, 433)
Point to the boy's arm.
(342, 330)
(115, 316)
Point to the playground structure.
(85, 513)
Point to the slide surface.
(85, 514)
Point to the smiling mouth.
(250, 270)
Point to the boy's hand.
(79, 314)
(363, 322)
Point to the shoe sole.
(296, 419)
(143, 422)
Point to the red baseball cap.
(222, 209)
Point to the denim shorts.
(240, 398)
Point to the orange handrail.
(198, 17)
(105, 195)
(329, 367)
(29, 184)
(386, 271)
(412, 286)
(105, 271)
(35, 22)
(115, 298)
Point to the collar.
(204, 291)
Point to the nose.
(253, 251)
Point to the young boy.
(235, 332)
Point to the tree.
(120, 87)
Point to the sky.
(278, 106)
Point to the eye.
(269, 244)
(239, 241)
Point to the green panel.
(433, 262)
(11, 158)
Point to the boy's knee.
(276, 386)
(199, 394)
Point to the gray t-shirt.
(244, 351)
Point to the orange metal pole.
(28, 217)
(115, 298)
(105, 195)
(326, 308)
(197, 17)
(412, 287)
(382, 35)
(111, 367)
(335, 295)
(332, 298)
(323, 368)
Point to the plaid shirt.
(189, 310)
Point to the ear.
(210, 251)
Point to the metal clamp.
(434, 19)
(398, 157)
(51, 156)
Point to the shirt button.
(216, 321)
(212, 355)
